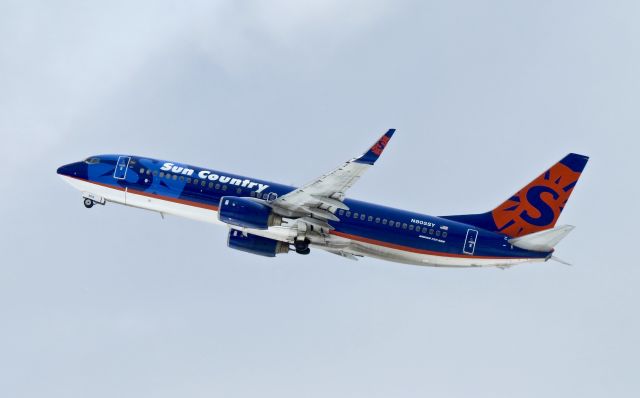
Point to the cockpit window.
(92, 160)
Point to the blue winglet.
(376, 150)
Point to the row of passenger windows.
(392, 223)
(348, 214)
(217, 186)
(189, 180)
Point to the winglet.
(376, 150)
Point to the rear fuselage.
(365, 229)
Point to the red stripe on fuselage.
(334, 232)
(412, 249)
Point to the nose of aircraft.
(65, 170)
(70, 170)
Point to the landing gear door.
(470, 241)
(121, 168)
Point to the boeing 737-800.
(266, 218)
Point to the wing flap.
(330, 202)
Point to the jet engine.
(255, 244)
(247, 213)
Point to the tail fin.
(537, 206)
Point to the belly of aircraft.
(432, 260)
(284, 233)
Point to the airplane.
(267, 218)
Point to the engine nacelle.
(247, 213)
(255, 244)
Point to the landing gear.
(88, 203)
(302, 246)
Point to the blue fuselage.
(364, 222)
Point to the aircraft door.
(119, 195)
(470, 241)
(120, 172)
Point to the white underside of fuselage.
(334, 244)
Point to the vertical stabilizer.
(537, 206)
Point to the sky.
(484, 95)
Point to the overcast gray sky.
(116, 302)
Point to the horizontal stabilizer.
(561, 261)
(543, 241)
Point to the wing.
(316, 202)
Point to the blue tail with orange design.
(537, 206)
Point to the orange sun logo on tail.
(537, 206)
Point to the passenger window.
(411, 227)
(377, 220)
(362, 217)
(384, 221)
(431, 232)
(168, 176)
(142, 170)
(239, 190)
(341, 212)
(211, 185)
(348, 214)
(370, 218)
(356, 215)
(161, 174)
(175, 177)
(391, 222)
(196, 181)
(218, 186)
(224, 187)
(148, 171)
(425, 230)
(438, 233)
(404, 225)
(397, 224)
(188, 180)
(203, 183)
(181, 178)
(444, 234)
